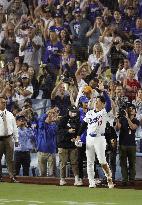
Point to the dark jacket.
(63, 135)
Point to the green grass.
(55, 195)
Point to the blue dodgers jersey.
(93, 11)
(51, 53)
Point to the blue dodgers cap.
(19, 117)
(77, 10)
(83, 99)
(52, 29)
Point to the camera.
(123, 109)
(66, 77)
(116, 42)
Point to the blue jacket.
(46, 136)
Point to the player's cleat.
(62, 182)
(97, 181)
(13, 180)
(78, 182)
(110, 183)
(92, 184)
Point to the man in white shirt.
(8, 136)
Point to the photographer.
(67, 131)
(127, 124)
(120, 99)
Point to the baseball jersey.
(96, 122)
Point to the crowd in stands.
(60, 52)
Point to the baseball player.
(95, 122)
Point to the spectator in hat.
(25, 145)
(67, 130)
(137, 29)
(53, 50)
(79, 27)
(46, 142)
(84, 91)
(58, 25)
(129, 18)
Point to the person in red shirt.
(131, 85)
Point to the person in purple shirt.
(137, 29)
(118, 25)
(68, 60)
(53, 50)
(94, 9)
(137, 7)
(129, 18)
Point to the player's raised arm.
(108, 101)
(106, 96)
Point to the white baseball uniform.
(95, 141)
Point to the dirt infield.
(70, 182)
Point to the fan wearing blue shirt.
(25, 144)
(46, 142)
(53, 50)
